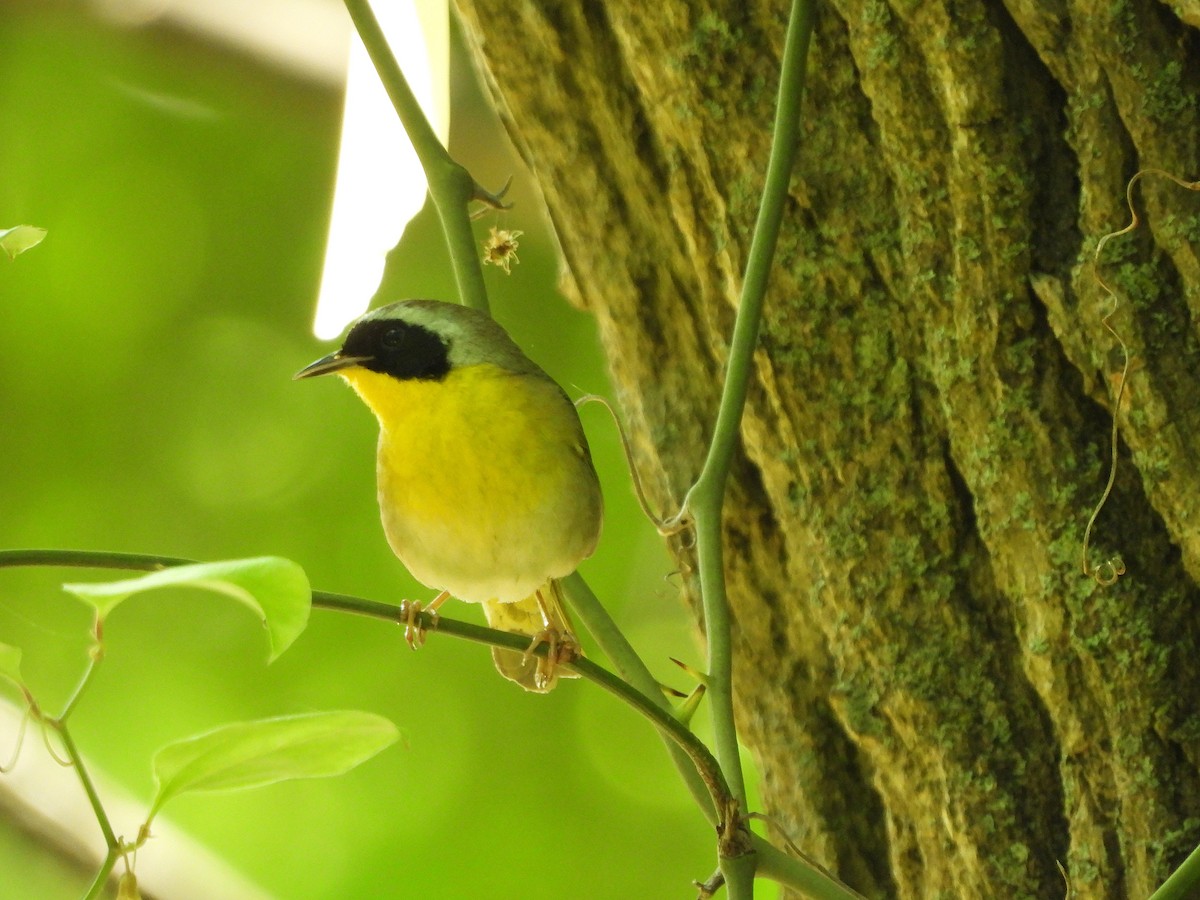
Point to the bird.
(485, 481)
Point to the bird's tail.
(542, 615)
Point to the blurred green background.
(146, 354)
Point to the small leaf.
(10, 663)
(275, 588)
(254, 754)
(15, 241)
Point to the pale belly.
(491, 517)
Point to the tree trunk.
(939, 701)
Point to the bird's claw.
(414, 630)
(562, 647)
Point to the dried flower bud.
(500, 249)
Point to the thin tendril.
(12, 763)
(666, 527)
(65, 763)
(1113, 568)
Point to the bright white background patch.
(380, 185)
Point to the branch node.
(733, 834)
(488, 199)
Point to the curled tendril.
(1110, 570)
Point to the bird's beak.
(334, 362)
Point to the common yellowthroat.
(486, 485)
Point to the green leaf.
(275, 588)
(254, 754)
(10, 663)
(15, 241)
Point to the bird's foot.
(561, 647)
(410, 616)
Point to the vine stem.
(706, 499)
(450, 185)
(113, 845)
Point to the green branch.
(707, 497)
(95, 654)
(111, 841)
(89, 559)
(450, 185)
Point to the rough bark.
(939, 702)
